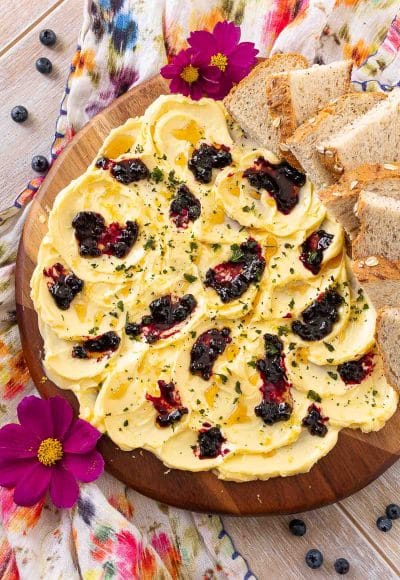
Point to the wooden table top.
(346, 529)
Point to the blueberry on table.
(43, 65)
(384, 524)
(297, 527)
(393, 511)
(47, 37)
(314, 559)
(39, 163)
(19, 114)
(342, 566)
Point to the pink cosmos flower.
(48, 450)
(192, 76)
(222, 49)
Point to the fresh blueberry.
(342, 566)
(314, 559)
(19, 114)
(47, 37)
(43, 65)
(39, 163)
(297, 527)
(384, 524)
(393, 511)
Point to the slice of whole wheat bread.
(379, 231)
(388, 340)
(340, 199)
(305, 140)
(372, 138)
(380, 278)
(294, 96)
(247, 103)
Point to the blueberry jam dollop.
(165, 314)
(277, 403)
(184, 208)
(205, 351)
(355, 371)
(168, 405)
(95, 238)
(231, 279)
(125, 171)
(206, 158)
(280, 180)
(210, 443)
(313, 249)
(315, 422)
(97, 347)
(62, 285)
(319, 317)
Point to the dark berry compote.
(280, 180)
(62, 285)
(205, 351)
(315, 421)
(319, 317)
(206, 158)
(184, 208)
(125, 171)
(355, 371)
(277, 401)
(168, 405)
(95, 238)
(312, 250)
(231, 279)
(209, 442)
(97, 347)
(165, 313)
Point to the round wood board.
(356, 460)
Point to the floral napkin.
(113, 532)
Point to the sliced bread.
(380, 278)
(379, 233)
(388, 340)
(247, 104)
(338, 113)
(294, 96)
(340, 199)
(372, 138)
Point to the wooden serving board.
(356, 460)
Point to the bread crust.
(381, 349)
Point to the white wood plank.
(21, 84)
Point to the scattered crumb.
(166, 472)
(320, 149)
(372, 261)
(353, 184)
(329, 153)
(276, 122)
(43, 379)
(259, 498)
(390, 166)
(337, 168)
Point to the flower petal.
(31, 488)
(35, 414)
(202, 41)
(62, 415)
(227, 36)
(11, 470)
(86, 467)
(196, 92)
(64, 490)
(81, 437)
(17, 442)
(178, 85)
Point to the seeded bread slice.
(379, 232)
(294, 96)
(371, 138)
(388, 340)
(247, 103)
(380, 278)
(340, 199)
(338, 113)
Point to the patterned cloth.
(113, 532)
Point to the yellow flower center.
(190, 74)
(219, 60)
(50, 451)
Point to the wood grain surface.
(361, 457)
